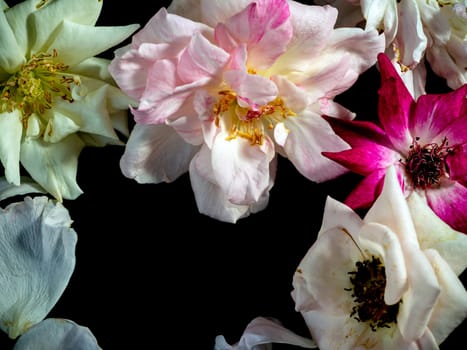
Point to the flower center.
(246, 122)
(369, 283)
(426, 165)
(33, 87)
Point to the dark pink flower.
(425, 139)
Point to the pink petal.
(395, 105)
(435, 113)
(457, 164)
(264, 26)
(449, 202)
(366, 192)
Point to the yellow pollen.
(245, 122)
(33, 87)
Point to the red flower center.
(426, 164)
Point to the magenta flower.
(425, 139)
(225, 88)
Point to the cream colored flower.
(56, 97)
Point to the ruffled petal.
(156, 153)
(434, 233)
(57, 334)
(54, 166)
(37, 258)
(10, 144)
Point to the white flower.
(55, 96)
(378, 283)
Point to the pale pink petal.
(395, 105)
(252, 90)
(449, 202)
(240, 169)
(434, 114)
(155, 153)
(164, 27)
(200, 60)
(295, 97)
(264, 26)
(219, 11)
(451, 308)
(309, 136)
(333, 109)
(189, 128)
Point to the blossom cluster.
(220, 91)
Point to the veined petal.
(395, 105)
(57, 334)
(309, 136)
(98, 39)
(11, 55)
(240, 169)
(156, 153)
(53, 165)
(435, 114)
(450, 203)
(262, 331)
(37, 258)
(451, 308)
(434, 233)
(210, 198)
(10, 143)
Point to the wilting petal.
(37, 258)
(156, 153)
(57, 334)
(434, 233)
(260, 332)
(53, 166)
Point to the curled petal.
(10, 143)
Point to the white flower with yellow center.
(55, 96)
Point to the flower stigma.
(426, 165)
(32, 88)
(369, 283)
(249, 123)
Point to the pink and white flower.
(380, 282)
(224, 87)
(424, 139)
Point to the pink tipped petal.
(309, 136)
(366, 192)
(155, 153)
(363, 160)
(450, 204)
(359, 133)
(240, 170)
(457, 164)
(395, 105)
(201, 59)
(435, 113)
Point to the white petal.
(37, 258)
(58, 127)
(346, 217)
(11, 130)
(156, 153)
(27, 185)
(434, 233)
(11, 56)
(262, 331)
(57, 334)
(53, 165)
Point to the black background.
(153, 273)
